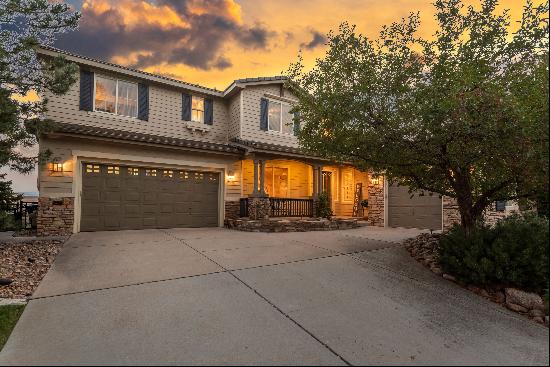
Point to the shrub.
(512, 253)
(322, 206)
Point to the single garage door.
(416, 212)
(118, 197)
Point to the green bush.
(322, 206)
(512, 253)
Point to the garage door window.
(92, 168)
(151, 172)
(168, 173)
(113, 170)
(133, 171)
(184, 175)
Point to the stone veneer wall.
(376, 204)
(451, 214)
(55, 216)
(259, 208)
(232, 209)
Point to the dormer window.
(116, 96)
(197, 109)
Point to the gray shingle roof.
(145, 138)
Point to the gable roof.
(237, 84)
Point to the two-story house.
(134, 150)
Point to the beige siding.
(165, 108)
(251, 116)
(234, 116)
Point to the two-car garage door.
(116, 197)
(413, 212)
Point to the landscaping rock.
(540, 320)
(525, 299)
(25, 264)
(499, 297)
(516, 308)
(449, 277)
(537, 313)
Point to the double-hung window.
(197, 109)
(116, 96)
(279, 117)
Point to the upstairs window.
(116, 96)
(197, 109)
(279, 117)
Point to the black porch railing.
(18, 215)
(283, 207)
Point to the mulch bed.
(25, 264)
(424, 249)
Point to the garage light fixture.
(230, 175)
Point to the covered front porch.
(289, 187)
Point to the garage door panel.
(112, 201)
(413, 211)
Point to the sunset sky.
(211, 43)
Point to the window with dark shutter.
(143, 102)
(208, 111)
(186, 107)
(86, 90)
(264, 104)
(500, 206)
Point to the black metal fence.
(283, 207)
(18, 215)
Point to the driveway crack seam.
(265, 299)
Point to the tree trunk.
(469, 215)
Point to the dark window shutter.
(186, 107)
(208, 111)
(296, 123)
(86, 90)
(264, 104)
(143, 102)
(500, 206)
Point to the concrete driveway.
(215, 296)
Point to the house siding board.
(234, 116)
(164, 115)
(251, 117)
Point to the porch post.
(315, 181)
(262, 177)
(255, 190)
(320, 178)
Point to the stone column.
(315, 182)
(320, 178)
(255, 191)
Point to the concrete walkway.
(215, 296)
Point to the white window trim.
(280, 131)
(203, 109)
(116, 96)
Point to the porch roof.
(94, 131)
(274, 149)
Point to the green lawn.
(8, 318)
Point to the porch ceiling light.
(230, 175)
(375, 180)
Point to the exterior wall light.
(230, 175)
(56, 167)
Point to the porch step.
(362, 223)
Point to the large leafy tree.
(462, 114)
(24, 26)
